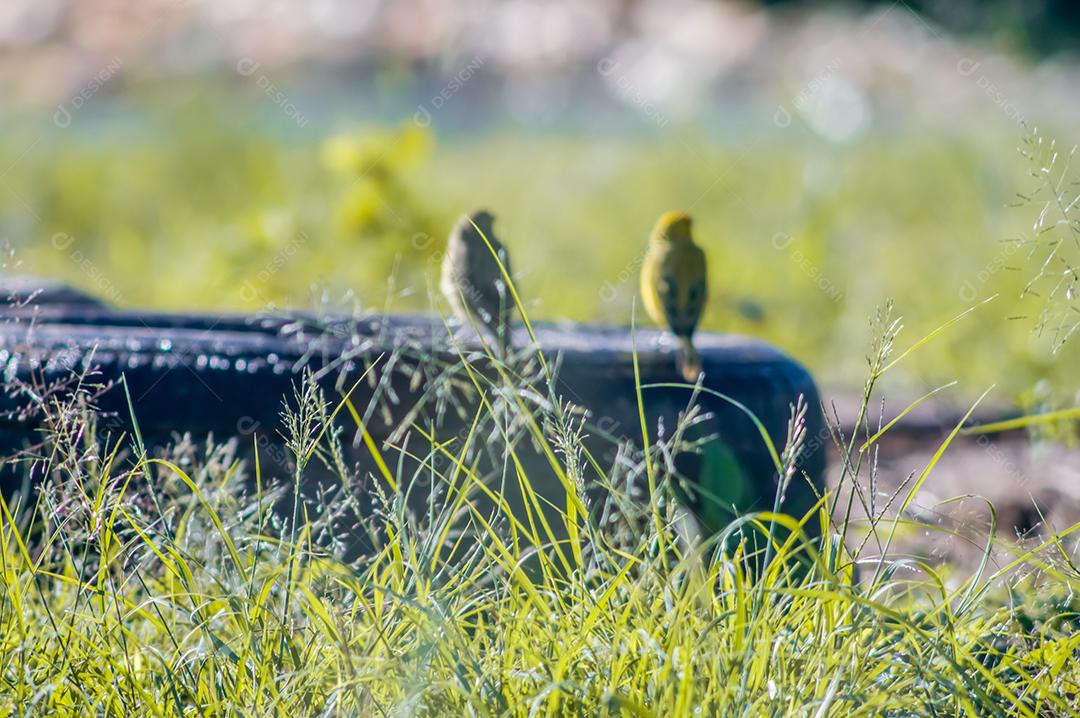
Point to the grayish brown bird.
(472, 281)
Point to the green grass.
(168, 585)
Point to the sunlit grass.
(167, 583)
(139, 584)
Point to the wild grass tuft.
(168, 584)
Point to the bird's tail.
(689, 360)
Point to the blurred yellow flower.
(358, 153)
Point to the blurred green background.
(246, 156)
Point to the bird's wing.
(684, 276)
(652, 293)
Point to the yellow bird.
(673, 285)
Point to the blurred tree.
(1039, 28)
(378, 210)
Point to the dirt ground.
(1034, 488)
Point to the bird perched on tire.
(674, 287)
(473, 282)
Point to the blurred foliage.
(1036, 28)
(804, 237)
